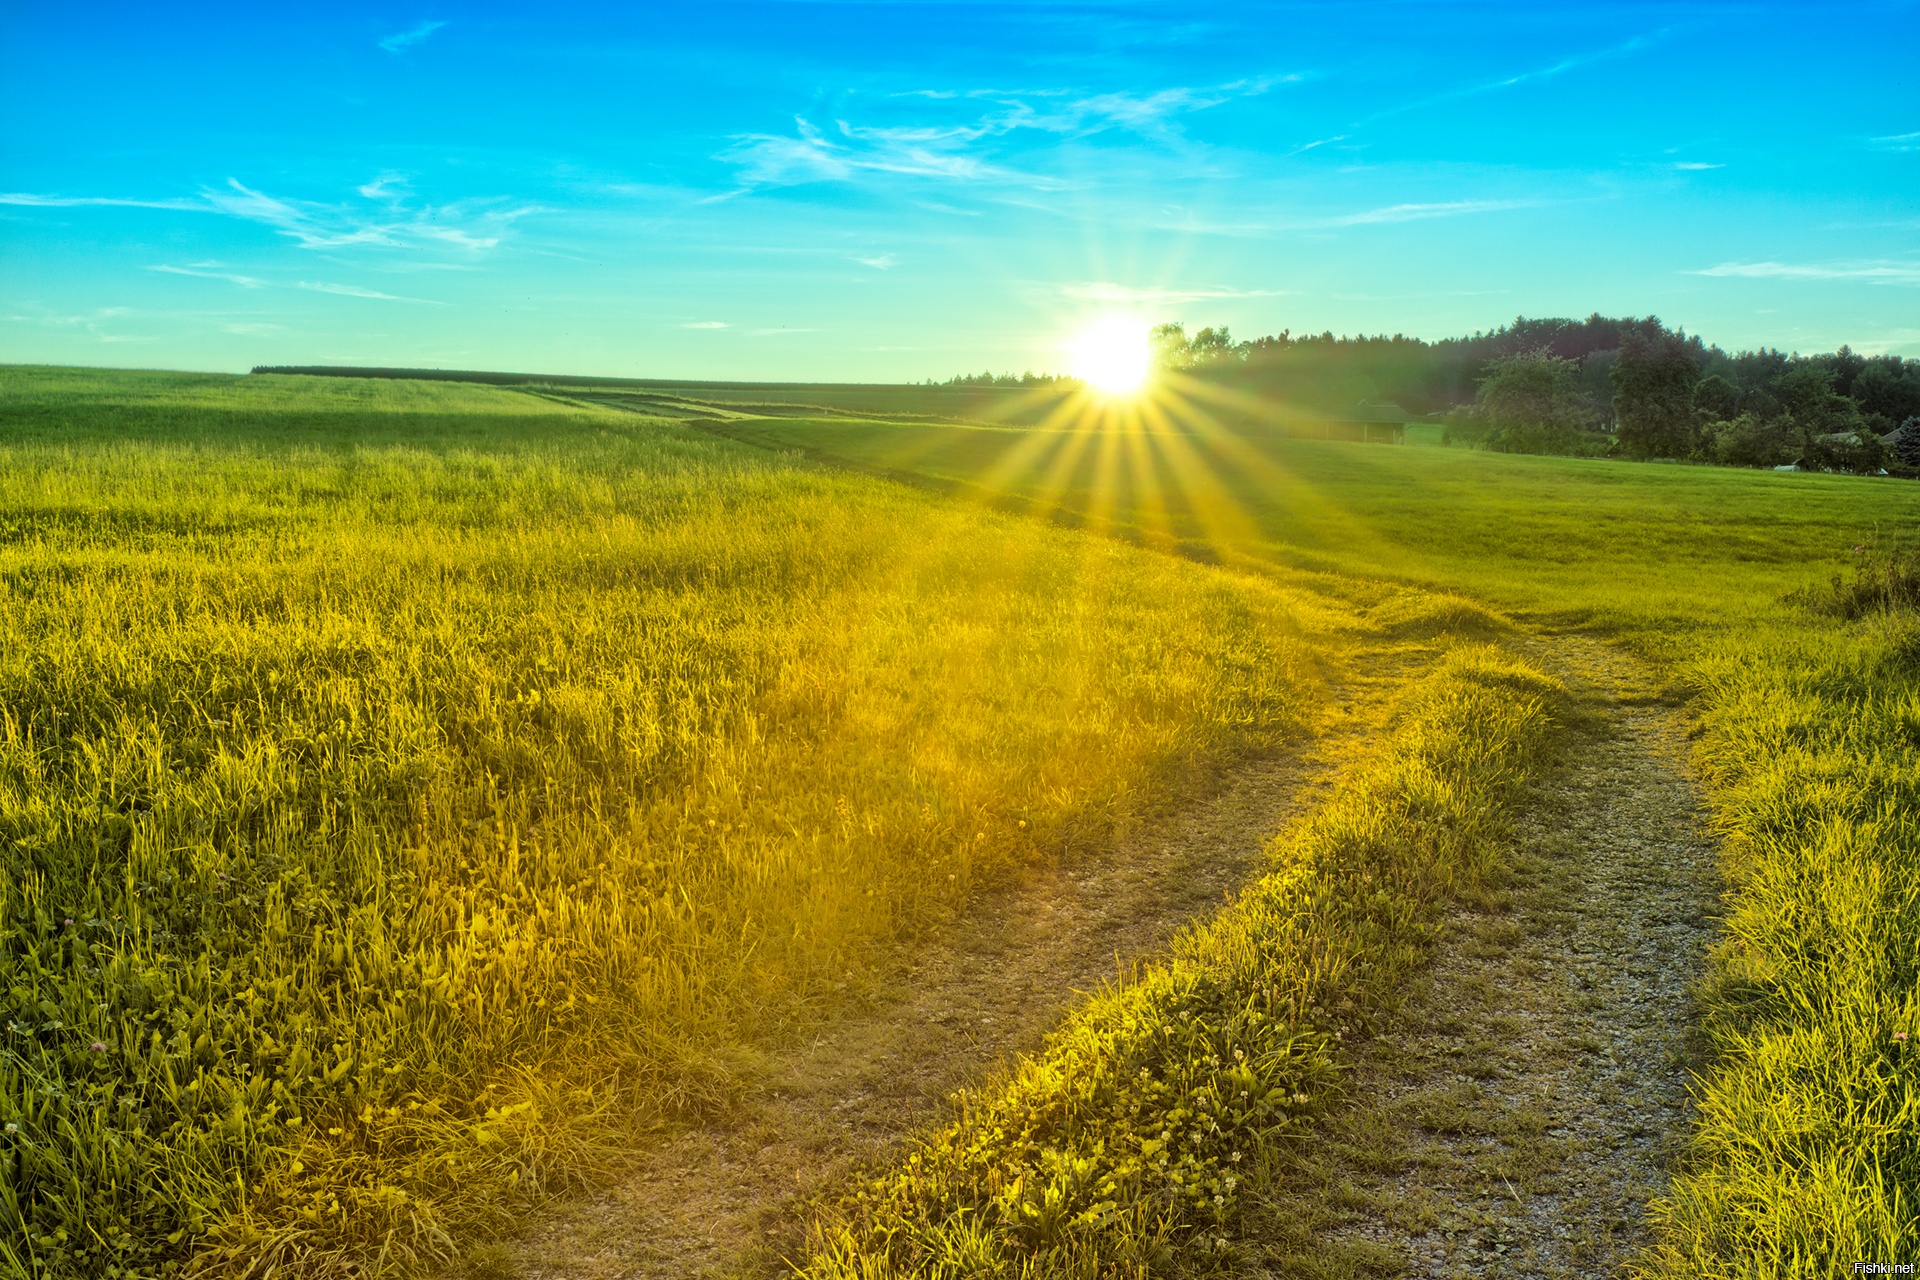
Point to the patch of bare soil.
(719, 1199)
(1526, 1102)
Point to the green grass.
(414, 788)
(1807, 695)
(1121, 1148)
(409, 790)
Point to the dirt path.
(1523, 1107)
(718, 1200)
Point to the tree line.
(1626, 386)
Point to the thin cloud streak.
(1420, 212)
(472, 226)
(1901, 273)
(70, 202)
(401, 41)
(205, 271)
(1549, 72)
(1108, 291)
(355, 291)
(209, 271)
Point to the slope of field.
(953, 401)
(408, 788)
(1781, 605)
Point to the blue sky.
(894, 191)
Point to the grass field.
(409, 791)
(1781, 605)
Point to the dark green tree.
(1653, 385)
(1716, 399)
(1211, 348)
(1807, 397)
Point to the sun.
(1112, 355)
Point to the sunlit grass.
(1131, 1140)
(407, 789)
(1808, 702)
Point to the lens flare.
(1112, 355)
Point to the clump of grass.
(1803, 1160)
(1883, 576)
(1127, 1140)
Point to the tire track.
(1525, 1103)
(719, 1199)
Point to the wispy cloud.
(1692, 165)
(1418, 212)
(355, 291)
(952, 151)
(1897, 142)
(1384, 215)
(401, 41)
(1550, 71)
(1877, 272)
(213, 271)
(810, 155)
(210, 271)
(395, 220)
(879, 261)
(1109, 292)
(705, 324)
(1309, 146)
(68, 202)
(96, 323)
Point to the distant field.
(1571, 540)
(409, 788)
(1781, 606)
(683, 398)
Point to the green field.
(1781, 606)
(412, 791)
(409, 789)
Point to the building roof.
(1364, 412)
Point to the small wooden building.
(1369, 423)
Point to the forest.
(1628, 387)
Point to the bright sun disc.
(1112, 355)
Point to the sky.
(891, 192)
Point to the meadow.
(413, 792)
(1780, 608)
(410, 792)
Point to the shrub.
(1750, 441)
(1856, 452)
(1881, 578)
(1563, 442)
